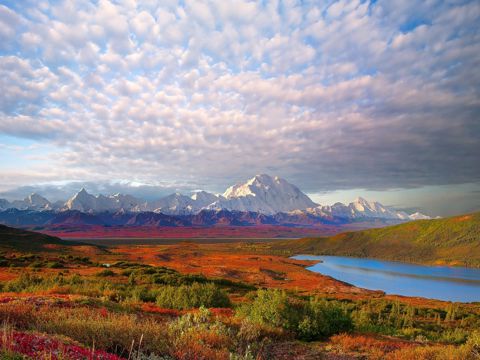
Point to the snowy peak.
(83, 201)
(361, 208)
(174, 204)
(362, 204)
(178, 204)
(418, 216)
(264, 194)
(35, 201)
(258, 185)
(204, 198)
(31, 202)
(365, 208)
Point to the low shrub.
(55, 265)
(197, 336)
(308, 320)
(191, 296)
(321, 319)
(106, 273)
(23, 282)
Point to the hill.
(452, 241)
(12, 239)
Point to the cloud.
(338, 95)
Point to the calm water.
(435, 282)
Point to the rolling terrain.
(450, 241)
(206, 301)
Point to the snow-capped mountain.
(31, 202)
(175, 204)
(263, 194)
(4, 204)
(85, 202)
(363, 209)
(419, 216)
(204, 198)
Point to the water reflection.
(436, 282)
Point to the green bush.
(55, 265)
(191, 296)
(105, 273)
(322, 319)
(177, 279)
(269, 307)
(308, 320)
(23, 282)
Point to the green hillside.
(453, 241)
(12, 239)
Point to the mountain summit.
(264, 194)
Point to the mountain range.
(263, 195)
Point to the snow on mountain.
(178, 204)
(4, 204)
(261, 194)
(264, 194)
(31, 202)
(195, 203)
(204, 198)
(35, 201)
(363, 209)
(419, 216)
(174, 204)
(85, 202)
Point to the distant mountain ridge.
(360, 209)
(205, 218)
(261, 194)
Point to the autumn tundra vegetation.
(62, 300)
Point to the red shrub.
(34, 345)
(152, 308)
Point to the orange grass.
(213, 260)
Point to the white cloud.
(331, 95)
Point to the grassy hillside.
(12, 239)
(453, 241)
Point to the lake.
(434, 282)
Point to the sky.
(341, 98)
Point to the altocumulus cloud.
(331, 95)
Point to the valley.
(228, 298)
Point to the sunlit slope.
(454, 241)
